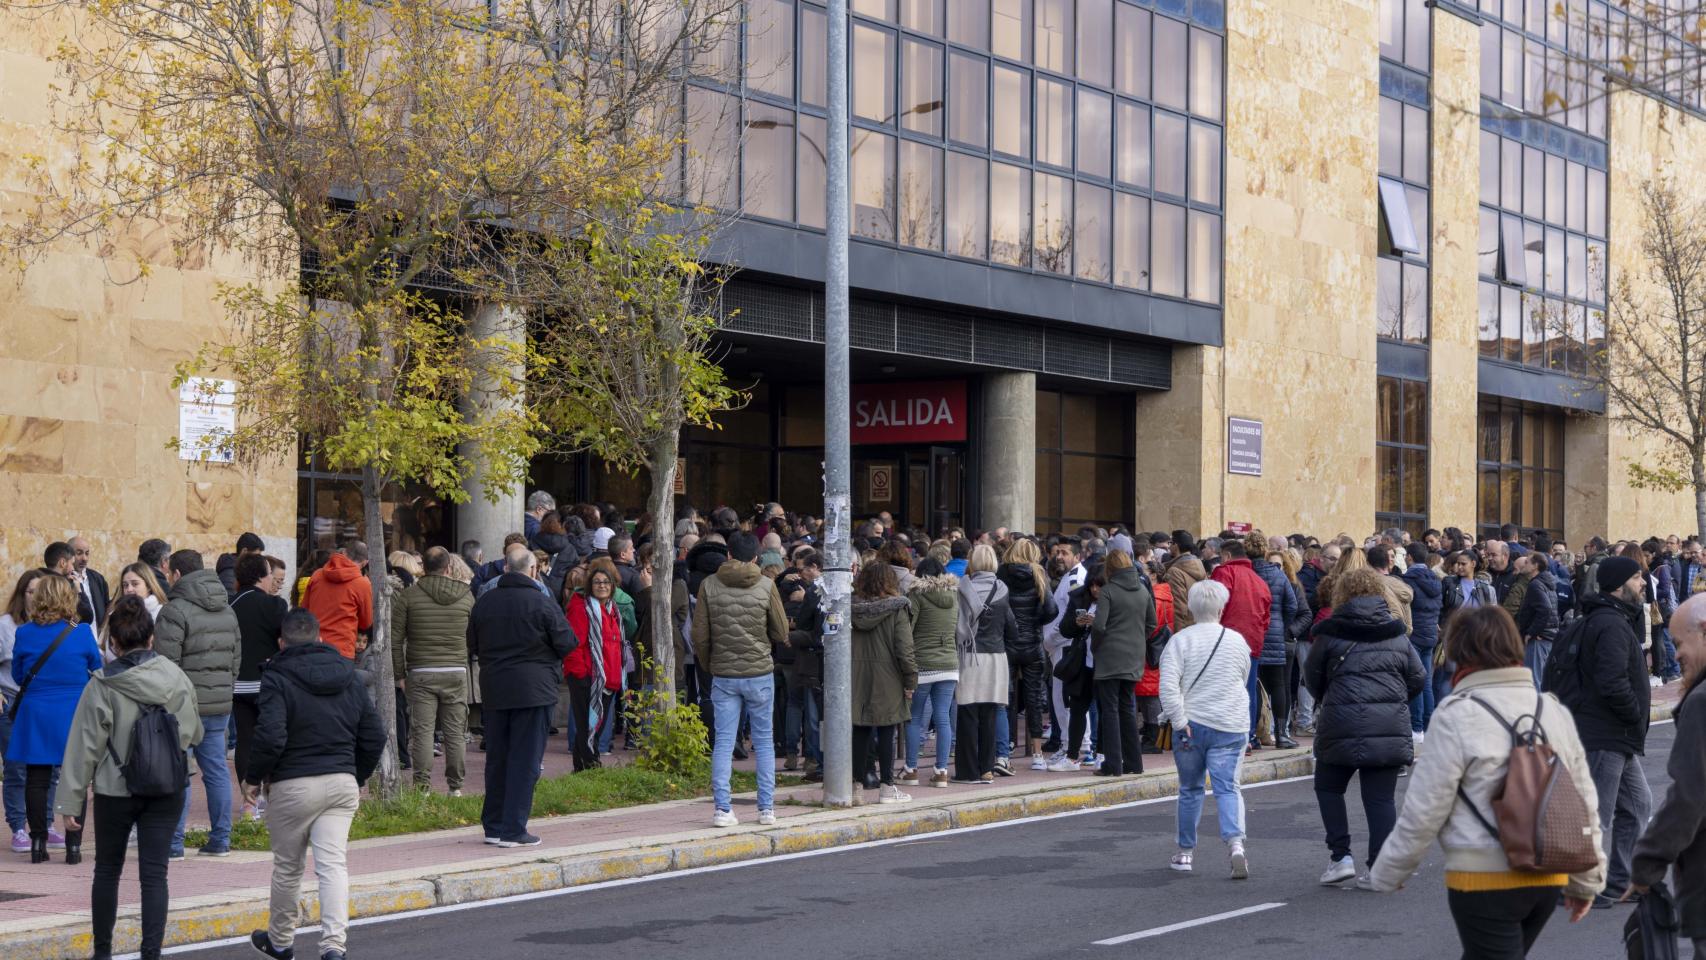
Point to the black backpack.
(157, 766)
(1562, 676)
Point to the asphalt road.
(1045, 888)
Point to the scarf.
(595, 637)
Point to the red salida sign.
(932, 411)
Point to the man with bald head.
(1677, 833)
(91, 584)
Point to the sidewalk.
(44, 908)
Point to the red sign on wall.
(932, 411)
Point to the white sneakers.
(1039, 762)
(892, 794)
(724, 818)
(1181, 861)
(1365, 882)
(1417, 737)
(1240, 861)
(766, 818)
(1339, 871)
(1063, 764)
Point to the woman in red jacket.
(594, 667)
(1149, 687)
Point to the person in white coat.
(1064, 558)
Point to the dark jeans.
(583, 734)
(1378, 786)
(804, 707)
(245, 710)
(706, 711)
(515, 745)
(39, 783)
(862, 737)
(1117, 701)
(154, 819)
(402, 732)
(1501, 924)
(1276, 680)
(974, 740)
(1033, 694)
(1078, 717)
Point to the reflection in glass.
(1053, 223)
(1576, 189)
(1554, 189)
(1131, 50)
(871, 184)
(1415, 144)
(1092, 232)
(968, 23)
(1533, 182)
(1054, 122)
(1204, 284)
(1388, 298)
(713, 135)
(1391, 137)
(1054, 36)
(1534, 252)
(968, 210)
(1010, 29)
(1596, 271)
(814, 50)
(1510, 323)
(925, 16)
(881, 9)
(1012, 111)
(1010, 215)
(1167, 250)
(920, 195)
(1510, 175)
(1205, 163)
(1095, 134)
(1417, 200)
(1415, 303)
(921, 88)
(1487, 318)
(1487, 244)
(1131, 153)
(1170, 170)
(1131, 241)
(770, 47)
(1554, 260)
(873, 73)
(1205, 74)
(968, 99)
(1095, 41)
(1170, 63)
(1596, 202)
(767, 170)
(810, 155)
(1489, 168)
(1576, 267)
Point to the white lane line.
(1186, 925)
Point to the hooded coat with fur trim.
(884, 667)
(1363, 672)
(935, 612)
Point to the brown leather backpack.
(1543, 823)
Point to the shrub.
(672, 736)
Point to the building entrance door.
(921, 487)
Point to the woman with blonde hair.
(1034, 609)
(138, 580)
(1350, 558)
(984, 629)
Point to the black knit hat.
(1614, 572)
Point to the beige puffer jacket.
(738, 617)
(1466, 746)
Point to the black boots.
(38, 847)
(1282, 738)
(73, 849)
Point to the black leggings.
(1031, 679)
(1276, 680)
(154, 818)
(974, 741)
(38, 806)
(1378, 786)
(1501, 924)
(583, 698)
(885, 752)
(245, 708)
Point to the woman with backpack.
(1499, 911)
(101, 746)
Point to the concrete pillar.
(1009, 451)
(1181, 446)
(479, 518)
(1454, 344)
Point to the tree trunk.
(662, 506)
(1698, 462)
(376, 662)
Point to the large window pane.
(1415, 144)
(1389, 298)
(968, 23)
(1054, 122)
(968, 206)
(1205, 257)
(1010, 21)
(871, 184)
(1416, 34)
(1554, 189)
(1534, 253)
(1415, 303)
(1205, 163)
(1575, 200)
(1053, 223)
(1576, 267)
(873, 73)
(814, 52)
(1596, 202)
(1391, 137)
(1510, 324)
(1489, 168)
(968, 99)
(812, 162)
(881, 9)
(1490, 59)
(925, 16)
(1054, 35)
(1092, 232)
(1012, 111)
(1096, 41)
(920, 195)
(1533, 330)
(1533, 182)
(1596, 271)
(1131, 153)
(1205, 74)
(1391, 15)
(770, 47)
(1131, 50)
(1010, 215)
(1131, 241)
(1417, 200)
(1167, 250)
(1487, 244)
(1170, 85)
(1170, 170)
(767, 173)
(1487, 318)
(713, 136)
(1510, 175)
(1095, 133)
(921, 88)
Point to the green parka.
(883, 664)
(198, 631)
(111, 702)
(429, 624)
(935, 612)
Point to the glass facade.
(1081, 138)
(1086, 460)
(1401, 305)
(1401, 454)
(1521, 463)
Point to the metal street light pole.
(837, 726)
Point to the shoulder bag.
(24, 685)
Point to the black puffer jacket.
(705, 559)
(1538, 616)
(1363, 673)
(1612, 708)
(315, 718)
(1033, 609)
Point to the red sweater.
(578, 663)
(1251, 604)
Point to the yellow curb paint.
(910, 823)
(707, 853)
(796, 839)
(989, 811)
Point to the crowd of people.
(971, 649)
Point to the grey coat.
(1677, 833)
(1125, 617)
(197, 631)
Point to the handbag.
(24, 685)
(1651, 931)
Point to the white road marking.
(1186, 925)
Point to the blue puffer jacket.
(1425, 605)
(1289, 616)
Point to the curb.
(815, 831)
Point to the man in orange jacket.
(341, 597)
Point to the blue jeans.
(216, 780)
(1003, 732)
(728, 696)
(1534, 654)
(800, 719)
(1668, 665)
(1422, 704)
(1218, 754)
(938, 699)
(1253, 686)
(1441, 683)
